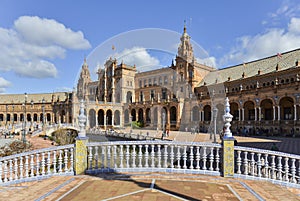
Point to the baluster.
(66, 160)
(10, 170)
(146, 156)
(5, 171)
(54, 162)
(293, 171)
(152, 156)
(43, 164)
(121, 156)
(273, 166)
(259, 164)
(26, 166)
(239, 162)
(197, 158)
(172, 156)
(1, 181)
(191, 158)
(245, 162)
(184, 157)
(72, 160)
(127, 156)
(96, 157)
(211, 159)
(165, 156)
(159, 156)
(140, 156)
(102, 156)
(90, 158)
(252, 163)
(286, 169)
(108, 156)
(16, 168)
(133, 155)
(266, 166)
(204, 158)
(279, 167)
(178, 157)
(37, 164)
(48, 163)
(217, 159)
(31, 165)
(60, 161)
(115, 157)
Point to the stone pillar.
(80, 145)
(96, 119)
(255, 114)
(112, 119)
(295, 112)
(239, 114)
(274, 113)
(200, 115)
(104, 121)
(159, 117)
(259, 113)
(168, 119)
(243, 114)
(228, 143)
(278, 112)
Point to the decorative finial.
(227, 119)
(82, 121)
(184, 28)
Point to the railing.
(37, 164)
(275, 166)
(153, 156)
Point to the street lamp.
(24, 119)
(215, 113)
(43, 120)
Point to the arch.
(1, 117)
(48, 117)
(41, 117)
(28, 117)
(286, 108)
(101, 117)
(133, 114)
(249, 110)
(108, 117)
(126, 116)
(148, 116)
(129, 97)
(173, 115)
(7, 117)
(15, 118)
(22, 117)
(234, 110)
(35, 117)
(140, 115)
(92, 118)
(195, 113)
(117, 118)
(207, 113)
(266, 109)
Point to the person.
(274, 147)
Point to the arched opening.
(129, 97)
(28, 117)
(41, 117)
(234, 110)
(21, 117)
(266, 109)
(126, 116)
(173, 116)
(62, 116)
(92, 118)
(141, 115)
(48, 117)
(109, 117)
(133, 115)
(35, 117)
(207, 113)
(1, 117)
(148, 116)
(117, 118)
(195, 114)
(249, 111)
(101, 117)
(286, 108)
(15, 117)
(8, 117)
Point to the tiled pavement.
(147, 187)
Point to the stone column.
(104, 121)
(112, 119)
(200, 115)
(168, 119)
(228, 143)
(80, 145)
(278, 112)
(96, 120)
(243, 114)
(295, 112)
(239, 114)
(159, 117)
(259, 113)
(274, 113)
(255, 114)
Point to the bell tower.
(83, 81)
(185, 49)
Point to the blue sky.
(43, 43)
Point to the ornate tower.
(84, 80)
(185, 49)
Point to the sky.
(43, 43)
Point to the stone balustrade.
(37, 164)
(262, 164)
(153, 156)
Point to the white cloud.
(4, 84)
(27, 47)
(138, 56)
(209, 61)
(262, 45)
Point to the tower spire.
(184, 28)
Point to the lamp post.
(43, 120)
(215, 113)
(24, 119)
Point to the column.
(104, 121)
(274, 113)
(96, 120)
(295, 112)
(243, 114)
(200, 115)
(255, 114)
(259, 113)
(278, 112)
(159, 117)
(239, 114)
(168, 119)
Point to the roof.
(266, 65)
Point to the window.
(287, 112)
(140, 83)
(150, 82)
(145, 83)
(154, 81)
(160, 81)
(152, 95)
(164, 93)
(141, 97)
(166, 79)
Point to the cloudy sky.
(43, 43)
